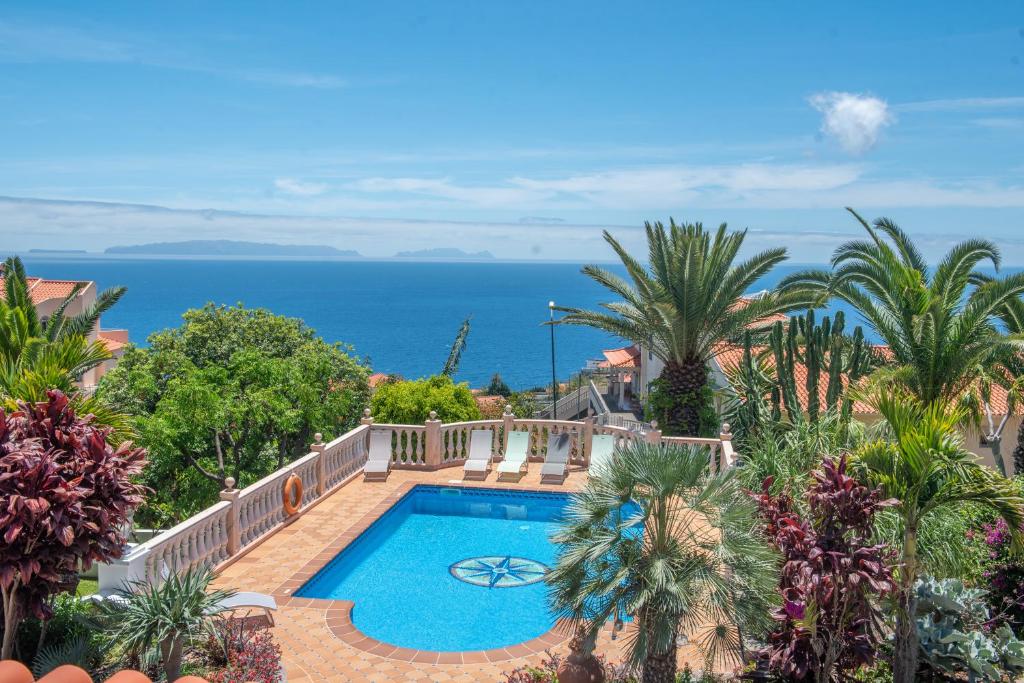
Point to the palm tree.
(926, 467)
(939, 325)
(37, 355)
(655, 535)
(165, 616)
(688, 299)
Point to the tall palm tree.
(926, 467)
(655, 535)
(939, 324)
(685, 301)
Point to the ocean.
(401, 316)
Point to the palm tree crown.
(685, 301)
(926, 467)
(939, 324)
(656, 536)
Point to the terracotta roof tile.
(626, 357)
(44, 290)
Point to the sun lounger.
(378, 463)
(556, 462)
(478, 464)
(232, 603)
(602, 446)
(514, 462)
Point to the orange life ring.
(292, 494)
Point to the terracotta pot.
(580, 669)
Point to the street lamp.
(554, 378)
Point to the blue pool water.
(450, 569)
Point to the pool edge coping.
(339, 612)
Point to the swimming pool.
(450, 569)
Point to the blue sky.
(523, 128)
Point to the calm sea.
(402, 316)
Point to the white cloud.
(25, 43)
(962, 104)
(855, 121)
(298, 187)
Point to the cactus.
(826, 351)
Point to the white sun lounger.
(378, 463)
(602, 446)
(514, 462)
(232, 603)
(556, 462)
(478, 464)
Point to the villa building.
(47, 295)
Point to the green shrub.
(410, 402)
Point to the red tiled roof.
(729, 356)
(626, 357)
(376, 378)
(43, 290)
(114, 340)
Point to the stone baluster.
(321, 464)
(588, 439)
(654, 434)
(234, 526)
(508, 421)
(432, 437)
(728, 455)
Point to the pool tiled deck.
(317, 637)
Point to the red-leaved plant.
(66, 495)
(832, 576)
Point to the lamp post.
(554, 378)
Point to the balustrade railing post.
(588, 439)
(321, 465)
(234, 525)
(728, 455)
(653, 435)
(508, 422)
(367, 420)
(432, 435)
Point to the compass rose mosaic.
(498, 571)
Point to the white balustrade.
(247, 515)
(199, 540)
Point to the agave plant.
(166, 616)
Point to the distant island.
(57, 251)
(444, 252)
(231, 248)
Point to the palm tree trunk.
(659, 668)
(904, 661)
(684, 383)
(170, 649)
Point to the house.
(47, 295)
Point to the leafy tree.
(926, 467)
(497, 387)
(685, 301)
(829, 621)
(166, 616)
(656, 536)
(451, 365)
(939, 324)
(410, 402)
(231, 392)
(67, 495)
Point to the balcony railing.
(244, 517)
